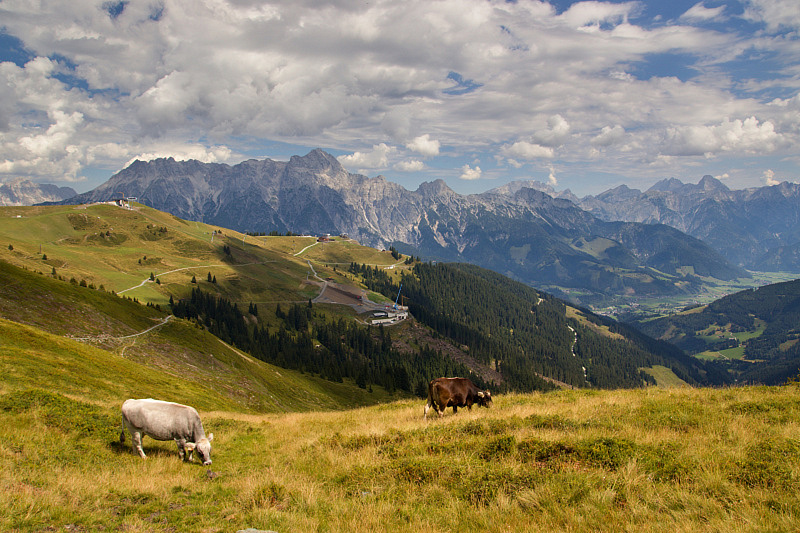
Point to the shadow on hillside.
(151, 451)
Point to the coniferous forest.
(309, 341)
(526, 334)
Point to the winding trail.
(109, 337)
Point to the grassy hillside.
(155, 356)
(580, 461)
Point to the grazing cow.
(166, 421)
(455, 393)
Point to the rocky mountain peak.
(667, 185)
(436, 188)
(316, 160)
(712, 184)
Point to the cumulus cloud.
(424, 145)
(747, 135)
(555, 134)
(551, 177)
(378, 158)
(468, 173)
(591, 13)
(214, 154)
(412, 165)
(608, 136)
(769, 178)
(528, 151)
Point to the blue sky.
(580, 95)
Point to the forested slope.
(527, 334)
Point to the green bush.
(606, 452)
(768, 464)
(502, 446)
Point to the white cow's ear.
(190, 446)
(210, 437)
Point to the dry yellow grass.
(647, 460)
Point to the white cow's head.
(203, 448)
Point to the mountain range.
(756, 228)
(518, 231)
(24, 192)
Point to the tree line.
(310, 342)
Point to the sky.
(583, 96)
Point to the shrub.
(542, 451)
(768, 464)
(502, 446)
(607, 452)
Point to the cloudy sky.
(581, 95)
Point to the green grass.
(120, 248)
(665, 377)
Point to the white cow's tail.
(122, 433)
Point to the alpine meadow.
(309, 358)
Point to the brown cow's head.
(484, 398)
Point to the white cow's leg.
(136, 437)
(181, 448)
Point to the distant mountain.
(761, 327)
(757, 228)
(24, 192)
(519, 231)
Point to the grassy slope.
(192, 366)
(646, 460)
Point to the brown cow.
(455, 393)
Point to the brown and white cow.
(455, 393)
(166, 421)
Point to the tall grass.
(651, 460)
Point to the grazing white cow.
(166, 421)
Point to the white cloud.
(775, 14)
(424, 145)
(468, 173)
(378, 158)
(551, 178)
(699, 12)
(413, 165)
(214, 154)
(527, 151)
(591, 13)
(738, 135)
(769, 178)
(555, 134)
(609, 136)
